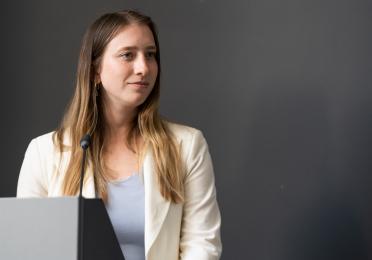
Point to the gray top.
(126, 209)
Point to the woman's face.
(128, 68)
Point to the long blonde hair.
(84, 115)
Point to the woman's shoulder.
(44, 139)
(191, 138)
(50, 139)
(183, 132)
(48, 142)
(43, 143)
(40, 150)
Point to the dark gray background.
(281, 90)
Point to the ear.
(97, 76)
(97, 79)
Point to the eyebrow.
(151, 47)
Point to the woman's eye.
(127, 55)
(151, 54)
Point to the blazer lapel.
(156, 207)
(89, 187)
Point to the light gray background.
(281, 90)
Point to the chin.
(136, 103)
(139, 101)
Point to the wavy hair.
(85, 115)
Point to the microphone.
(84, 143)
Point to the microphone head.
(85, 141)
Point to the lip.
(139, 84)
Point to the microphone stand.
(84, 143)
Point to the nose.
(141, 66)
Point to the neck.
(118, 122)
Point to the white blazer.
(190, 230)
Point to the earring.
(97, 88)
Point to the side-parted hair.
(85, 115)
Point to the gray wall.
(281, 90)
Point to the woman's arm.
(200, 231)
(32, 181)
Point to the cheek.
(106, 70)
(155, 70)
(112, 71)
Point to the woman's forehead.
(133, 36)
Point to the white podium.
(47, 229)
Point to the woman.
(158, 171)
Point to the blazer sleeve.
(32, 181)
(201, 221)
